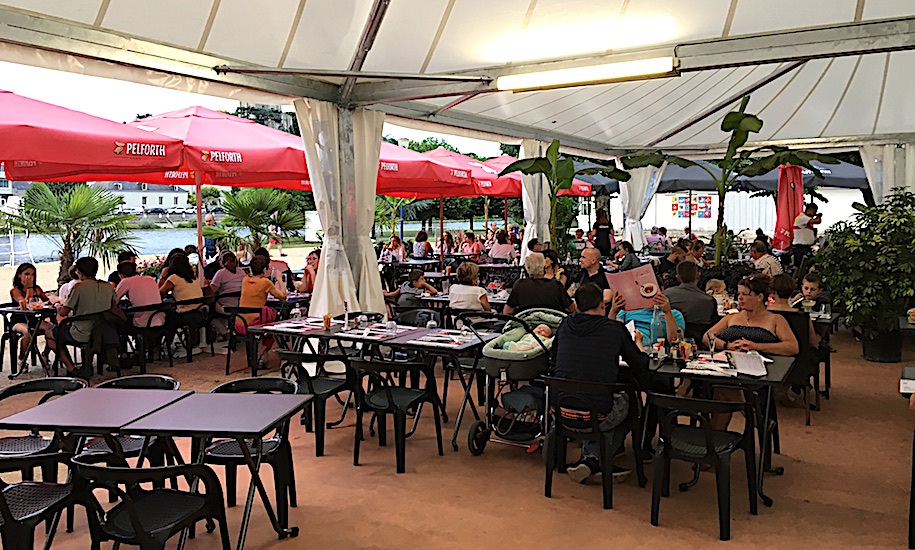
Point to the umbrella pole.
(200, 252)
(506, 214)
(441, 234)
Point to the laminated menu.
(637, 286)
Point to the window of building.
(143, 186)
(118, 186)
(143, 201)
(176, 201)
(160, 201)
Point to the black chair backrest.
(162, 307)
(696, 331)
(579, 395)
(51, 386)
(266, 384)
(698, 411)
(294, 358)
(378, 373)
(142, 382)
(418, 317)
(205, 301)
(799, 321)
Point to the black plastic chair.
(25, 504)
(148, 517)
(9, 335)
(579, 396)
(85, 348)
(144, 336)
(418, 317)
(248, 339)
(698, 443)
(184, 329)
(132, 445)
(50, 387)
(277, 452)
(322, 385)
(806, 369)
(384, 397)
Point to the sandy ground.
(846, 483)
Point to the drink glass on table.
(808, 305)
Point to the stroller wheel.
(477, 438)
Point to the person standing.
(804, 235)
(210, 246)
(603, 234)
(275, 234)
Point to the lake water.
(160, 241)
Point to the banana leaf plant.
(737, 163)
(560, 173)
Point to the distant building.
(145, 195)
(11, 192)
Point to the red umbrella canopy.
(227, 149)
(42, 141)
(405, 173)
(578, 189)
(486, 180)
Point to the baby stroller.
(514, 404)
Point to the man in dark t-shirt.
(591, 269)
(535, 291)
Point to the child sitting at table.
(529, 342)
(716, 287)
(812, 290)
(410, 292)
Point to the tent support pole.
(689, 210)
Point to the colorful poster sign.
(700, 207)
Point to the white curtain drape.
(367, 127)
(535, 198)
(319, 123)
(636, 195)
(888, 167)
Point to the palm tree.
(81, 219)
(252, 210)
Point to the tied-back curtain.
(636, 195)
(367, 128)
(318, 121)
(535, 198)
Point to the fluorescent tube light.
(586, 75)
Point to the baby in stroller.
(528, 342)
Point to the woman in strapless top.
(753, 328)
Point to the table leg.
(279, 525)
(467, 400)
(764, 439)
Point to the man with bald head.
(591, 270)
(210, 246)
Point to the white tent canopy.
(840, 69)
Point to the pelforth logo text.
(139, 149)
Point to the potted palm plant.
(869, 264)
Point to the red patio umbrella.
(486, 180)
(41, 141)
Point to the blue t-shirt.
(642, 320)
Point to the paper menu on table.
(751, 364)
(630, 326)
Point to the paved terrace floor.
(845, 484)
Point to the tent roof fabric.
(723, 48)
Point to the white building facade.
(144, 196)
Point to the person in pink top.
(141, 290)
(472, 247)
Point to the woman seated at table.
(467, 293)
(163, 275)
(312, 261)
(182, 285)
(552, 269)
(422, 248)
(395, 249)
(753, 328)
(471, 247)
(410, 292)
(254, 292)
(25, 288)
(627, 258)
(502, 251)
(446, 244)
